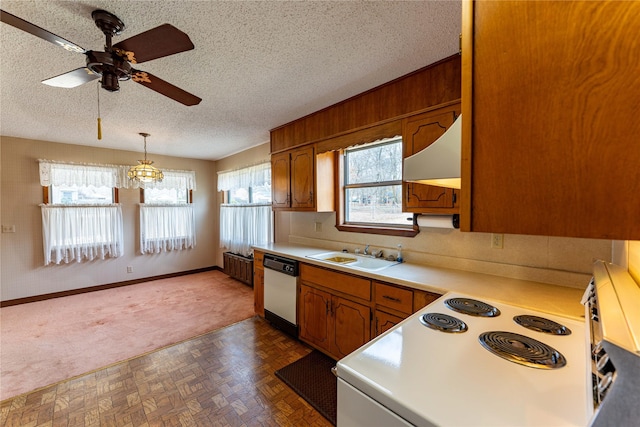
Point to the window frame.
(410, 230)
(47, 194)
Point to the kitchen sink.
(357, 262)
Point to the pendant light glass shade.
(144, 171)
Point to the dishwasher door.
(280, 302)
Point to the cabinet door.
(258, 291)
(280, 178)
(418, 133)
(302, 178)
(314, 316)
(384, 322)
(550, 129)
(352, 326)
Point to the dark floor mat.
(312, 379)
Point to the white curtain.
(76, 233)
(166, 228)
(85, 174)
(55, 173)
(252, 176)
(242, 226)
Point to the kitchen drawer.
(393, 297)
(347, 284)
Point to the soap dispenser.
(399, 256)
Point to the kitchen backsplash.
(557, 260)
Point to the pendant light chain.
(99, 119)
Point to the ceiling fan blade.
(156, 43)
(30, 28)
(74, 78)
(167, 89)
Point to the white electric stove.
(449, 365)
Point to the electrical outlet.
(497, 241)
(318, 226)
(8, 228)
(129, 269)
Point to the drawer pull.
(398, 300)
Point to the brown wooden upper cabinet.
(550, 118)
(418, 132)
(302, 180)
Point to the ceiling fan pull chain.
(99, 120)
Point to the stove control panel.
(602, 369)
(614, 331)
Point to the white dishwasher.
(280, 293)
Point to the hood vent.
(439, 163)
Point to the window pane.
(165, 196)
(244, 196)
(382, 162)
(81, 195)
(261, 194)
(239, 196)
(381, 205)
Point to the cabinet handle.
(326, 303)
(391, 298)
(311, 196)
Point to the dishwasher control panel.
(281, 264)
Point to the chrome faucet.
(366, 250)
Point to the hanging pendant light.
(144, 171)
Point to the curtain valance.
(84, 174)
(251, 176)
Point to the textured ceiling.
(256, 65)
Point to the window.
(79, 218)
(246, 218)
(175, 188)
(373, 185)
(165, 196)
(167, 218)
(81, 195)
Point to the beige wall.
(22, 271)
(557, 260)
(627, 254)
(565, 261)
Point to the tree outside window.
(373, 185)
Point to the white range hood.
(439, 163)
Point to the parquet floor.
(223, 378)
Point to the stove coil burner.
(443, 322)
(472, 307)
(522, 350)
(540, 324)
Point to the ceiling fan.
(114, 64)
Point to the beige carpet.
(44, 342)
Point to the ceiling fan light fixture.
(144, 171)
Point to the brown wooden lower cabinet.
(334, 324)
(258, 283)
(258, 291)
(384, 321)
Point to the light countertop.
(543, 297)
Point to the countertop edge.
(543, 297)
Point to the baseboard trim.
(102, 287)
